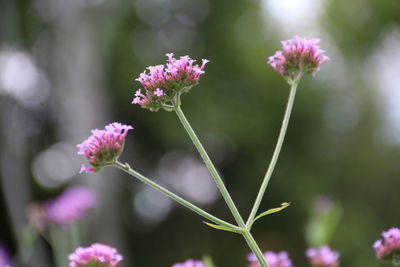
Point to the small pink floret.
(389, 245)
(189, 263)
(96, 253)
(323, 257)
(158, 92)
(279, 259)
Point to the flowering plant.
(162, 88)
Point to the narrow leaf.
(208, 261)
(221, 227)
(270, 211)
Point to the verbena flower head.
(298, 56)
(390, 244)
(189, 263)
(323, 257)
(97, 255)
(71, 205)
(103, 147)
(279, 259)
(164, 83)
(4, 257)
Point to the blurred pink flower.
(162, 83)
(5, 260)
(323, 257)
(279, 259)
(189, 263)
(298, 56)
(389, 245)
(71, 205)
(103, 147)
(97, 255)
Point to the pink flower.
(5, 260)
(189, 263)
(298, 56)
(103, 147)
(323, 257)
(280, 259)
(98, 255)
(389, 245)
(162, 83)
(70, 206)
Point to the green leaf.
(208, 261)
(221, 227)
(284, 205)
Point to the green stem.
(126, 168)
(225, 194)
(277, 150)
(58, 245)
(210, 166)
(26, 245)
(255, 248)
(74, 235)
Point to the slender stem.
(255, 248)
(74, 235)
(26, 244)
(58, 246)
(126, 168)
(210, 166)
(277, 150)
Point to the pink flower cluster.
(189, 263)
(103, 147)
(162, 83)
(98, 255)
(323, 257)
(298, 55)
(389, 245)
(280, 259)
(70, 206)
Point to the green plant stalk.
(26, 244)
(221, 186)
(126, 168)
(74, 235)
(277, 150)
(58, 246)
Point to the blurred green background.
(67, 66)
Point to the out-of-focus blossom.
(279, 259)
(4, 257)
(97, 255)
(103, 147)
(70, 206)
(298, 56)
(389, 245)
(323, 257)
(163, 84)
(189, 263)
